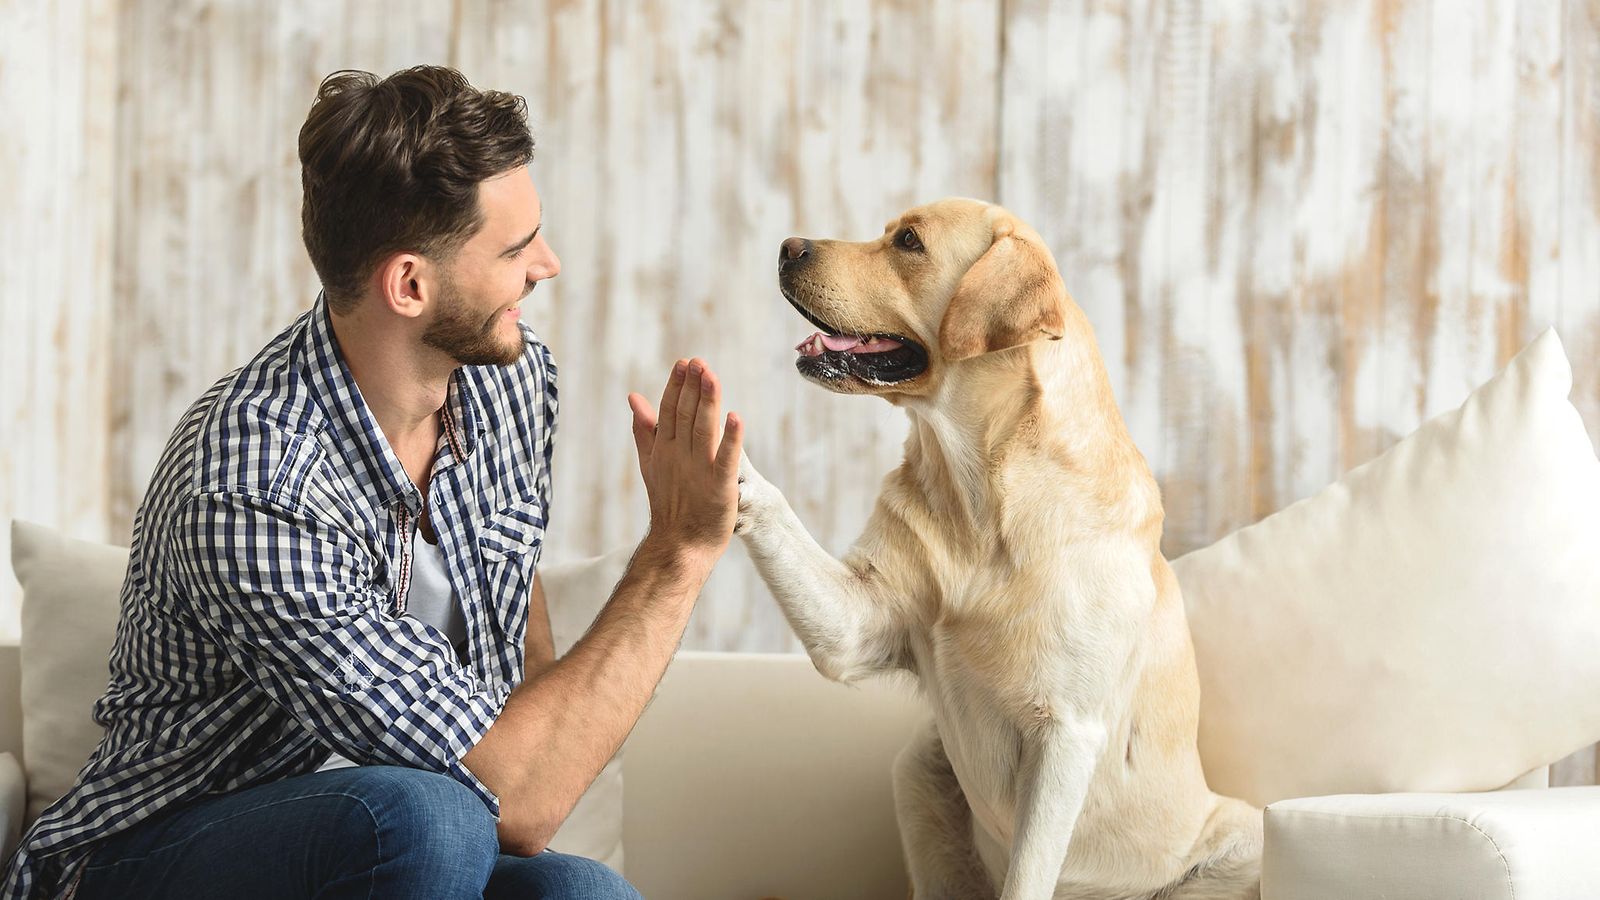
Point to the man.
(333, 673)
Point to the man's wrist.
(676, 558)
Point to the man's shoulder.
(251, 430)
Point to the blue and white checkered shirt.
(261, 623)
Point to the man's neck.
(403, 381)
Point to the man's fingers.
(642, 413)
(705, 418)
(668, 421)
(644, 424)
(688, 399)
(732, 449)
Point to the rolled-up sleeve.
(292, 601)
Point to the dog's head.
(945, 283)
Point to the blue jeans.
(368, 831)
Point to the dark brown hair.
(393, 164)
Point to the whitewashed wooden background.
(1300, 227)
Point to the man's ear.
(399, 281)
(1011, 295)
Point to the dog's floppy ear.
(1011, 295)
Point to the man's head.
(417, 200)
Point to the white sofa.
(751, 776)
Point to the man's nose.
(793, 250)
(545, 265)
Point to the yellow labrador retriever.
(1013, 565)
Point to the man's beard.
(468, 340)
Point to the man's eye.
(908, 240)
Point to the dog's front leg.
(1058, 760)
(837, 613)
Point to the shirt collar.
(376, 467)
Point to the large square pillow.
(69, 615)
(1430, 622)
(69, 618)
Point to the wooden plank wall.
(57, 309)
(1300, 227)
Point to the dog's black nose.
(793, 250)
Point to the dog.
(1012, 565)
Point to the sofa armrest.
(1517, 845)
(13, 801)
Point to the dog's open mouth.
(831, 354)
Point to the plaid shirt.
(261, 624)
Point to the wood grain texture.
(57, 91)
(1300, 227)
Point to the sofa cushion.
(1517, 845)
(69, 614)
(752, 776)
(1427, 623)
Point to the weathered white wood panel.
(1576, 281)
(1301, 228)
(57, 89)
(1578, 303)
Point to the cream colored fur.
(1012, 565)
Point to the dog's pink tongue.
(844, 343)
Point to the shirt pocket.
(512, 532)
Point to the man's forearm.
(559, 728)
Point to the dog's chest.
(983, 750)
(987, 678)
(980, 738)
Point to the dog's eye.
(908, 240)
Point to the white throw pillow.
(1430, 622)
(69, 618)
